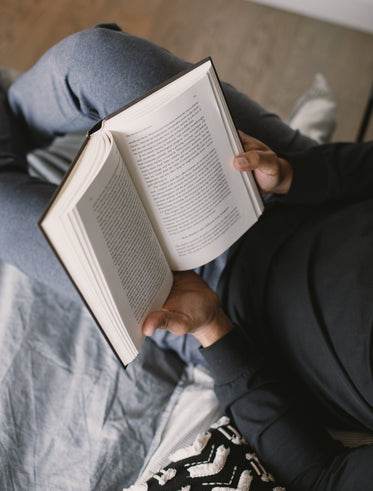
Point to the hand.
(273, 174)
(192, 307)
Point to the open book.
(152, 190)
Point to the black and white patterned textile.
(218, 460)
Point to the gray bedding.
(71, 417)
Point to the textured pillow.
(218, 460)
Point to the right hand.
(273, 174)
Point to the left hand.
(192, 307)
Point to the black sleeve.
(340, 172)
(292, 445)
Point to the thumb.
(155, 320)
(263, 160)
(175, 322)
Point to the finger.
(249, 160)
(155, 320)
(251, 143)
(174, 322)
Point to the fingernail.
(147, 331)
(241, 163)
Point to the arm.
(276, 424)
(271, 418)
(334, 172)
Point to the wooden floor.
(269, 54)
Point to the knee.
(101, 35)
(88, 44)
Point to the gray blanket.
(71, 417)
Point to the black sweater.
(299, 287)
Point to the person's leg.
(22, 201)
(86, 77)
(93, 73)
(76, 83)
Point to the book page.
(119, 246)
(180, 158)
